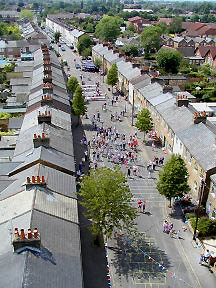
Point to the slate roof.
(51, 208)
(15, 123)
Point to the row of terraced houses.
(180, 128)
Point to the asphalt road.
(156, 260)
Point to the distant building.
(69, 34)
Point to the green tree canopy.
(72, 84)
(25, 13)
(108, 28)
(131, 50)
(98, 62)
(106, 197)
(78, 104)
(90, 28)
(5, 115)
(169, 60)
(176, 25)
(57, 36)
(173, 178)
(112, 76)
(144, 121)
(150, 38)
(84, 42)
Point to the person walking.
(128, 172)
(139, 202)
(86, 155)
(144, 206)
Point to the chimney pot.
(29, 234)
(33, 179)
(22, 234)
(38, 179)
(28, 180)
(43, 135)
(43, 180)
(16, 233)
(35, 233)
(35, 135)
(46, 113)
(39, 136)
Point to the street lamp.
(202, 186)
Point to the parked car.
(77, 66)
(63, 48)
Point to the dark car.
(77, 66)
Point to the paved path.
(153, 260)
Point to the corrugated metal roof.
(56, 205)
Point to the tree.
(78, 104)
(106, 196)
(72, 84)
(89, 28)
(144, 121)
(176, 25)
(98, 62)
(131, 28)
(84, 42)
(150, 38)
(86, 52)
(112, 76)
(108, 28)
(131, 50)
(26, 14)
(173, 178)
(57, 36)
(169, 60)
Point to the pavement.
(153, 259)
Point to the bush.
(206, 226)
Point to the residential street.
(154, 259)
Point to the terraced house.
(40, 243)
(178, 126)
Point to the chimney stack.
(44, 117)
(200, 117)
(41, 140)
(23, 239)
(182, 100)
(167, 88)
(33, 179)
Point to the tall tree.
(108, 28)
(72, 84)
(150, 38)
(173, 178)
(176, 25)
(107, 198)
(169, 60)
(57, 36)
(26, 14)
(84, 42)
(78, 104)
(112, 76)
(144, 121)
